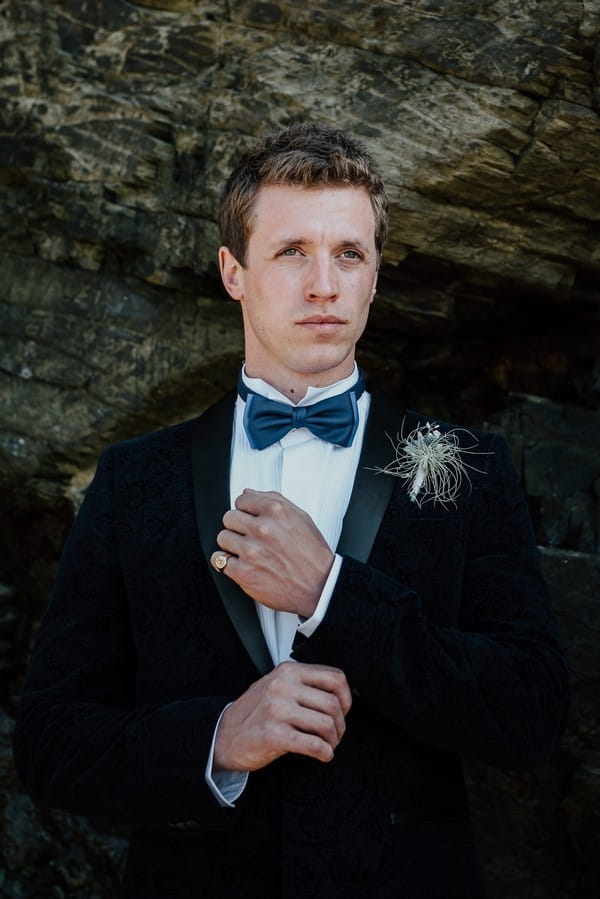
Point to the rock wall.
(118, 123)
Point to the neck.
(295, 388)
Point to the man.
(398, 623)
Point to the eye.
(351, 254)
(289, 251)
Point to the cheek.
(266, 320)
(362, 310)
(366, 293)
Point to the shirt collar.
(313, 394)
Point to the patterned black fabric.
(446, 639)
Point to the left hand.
(278, 556)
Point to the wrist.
(221, 755)
(307, 604)
(306, 609)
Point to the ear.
(374, 287)
(232, 273)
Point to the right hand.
(297, 707)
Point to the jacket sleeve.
(82, 742)
(491, 685)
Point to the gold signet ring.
(220, 562)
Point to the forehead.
(324, 210)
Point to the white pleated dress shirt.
(318, 477)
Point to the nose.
(322, 282)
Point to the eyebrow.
(302, 241)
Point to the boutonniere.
(432, 463)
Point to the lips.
(322, 320)
(323, 325)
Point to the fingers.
(319, 710)
(281, 559)
(256, 502)
(311, 701)
(325, 678)
(232, 542)
(309, 744)
(259, 513)
(239, 524)
(238, 521)
(297, 707)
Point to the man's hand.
(278, 555)
(297, 707)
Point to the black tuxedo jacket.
(440, 620)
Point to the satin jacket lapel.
(211, 442)
(372, 492)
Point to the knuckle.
(278, 686)
(287, 665)
(332, 705)
(287, 669)
(273, 713)
(341, 682)
(252, 553)
(275, 507)
(330, 734)
(263, 530)
(322, 750)
(273, 688)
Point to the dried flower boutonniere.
(432, 464)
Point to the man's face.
(309, 279)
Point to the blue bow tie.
(334, 419)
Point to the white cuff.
(309, 625)
(226, 786)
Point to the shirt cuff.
(226, 786)
(308, 626)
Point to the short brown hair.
(307, 154)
